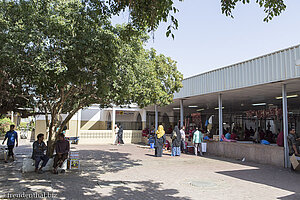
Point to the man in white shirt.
(183, 147)
(116, 129)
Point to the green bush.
(4, 125)
(23, 125)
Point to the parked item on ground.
(203, 146)
(295, 162)
(3, 152)
(23, 134)
(73, 140)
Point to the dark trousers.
(10, 150)
(38, 159)
(121, 139)
(183, 147)
(158, 150)
(59, 160)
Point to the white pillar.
(113, 119)
(156, 118)
(181, 113)
(78, 122)
(285, 125)
(220, 117)
(12, 116)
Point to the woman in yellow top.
(160, 139)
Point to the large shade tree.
(66, 57)
(143, 15)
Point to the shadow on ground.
(267, 175)
(84, 184)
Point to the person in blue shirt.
(228, 136)
(12, 137)
(197, 141)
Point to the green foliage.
(148, 14)
(66, 55)
(23, 125)
(4, 125)
(271, 7)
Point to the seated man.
(227, 135)
(38, 154)
(293, 144)
(62, 151)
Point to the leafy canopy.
(66, 57)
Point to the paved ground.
(131, 172)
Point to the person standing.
(176, 141)
(182, 133)
(116, 129)
(62, 149)
(120, 134)
(160, 139)
(280, 139)
(197, 140)
(293, 143)
(38, 154)
(12, 137)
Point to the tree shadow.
(138, 190)
(85, 183)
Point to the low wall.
(263, 154)
(108, 137)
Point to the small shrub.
(4, 125)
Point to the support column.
(285, 126)
(220, 117)
(113, 120)
(149, 118)
(12, 116)
(144, 118)
(156, 118)
(78, 122)
(181, 113)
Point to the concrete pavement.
(132, 172)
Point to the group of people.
(178, 141)
(118, 135)
(255, 135)
(62, 149)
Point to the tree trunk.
(51, 140)
(56, 128)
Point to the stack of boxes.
(73, 162)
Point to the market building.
(260, 93)
(263, 93)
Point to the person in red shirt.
(233, 136)
(280, 139)
(62, 151)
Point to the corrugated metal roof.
(273, 67)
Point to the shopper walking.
(120, 134)
(197, 140)
(116, 129)
(176, 142)
(183, 146)
(12, 137)
(160, 139)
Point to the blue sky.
(207, 39)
